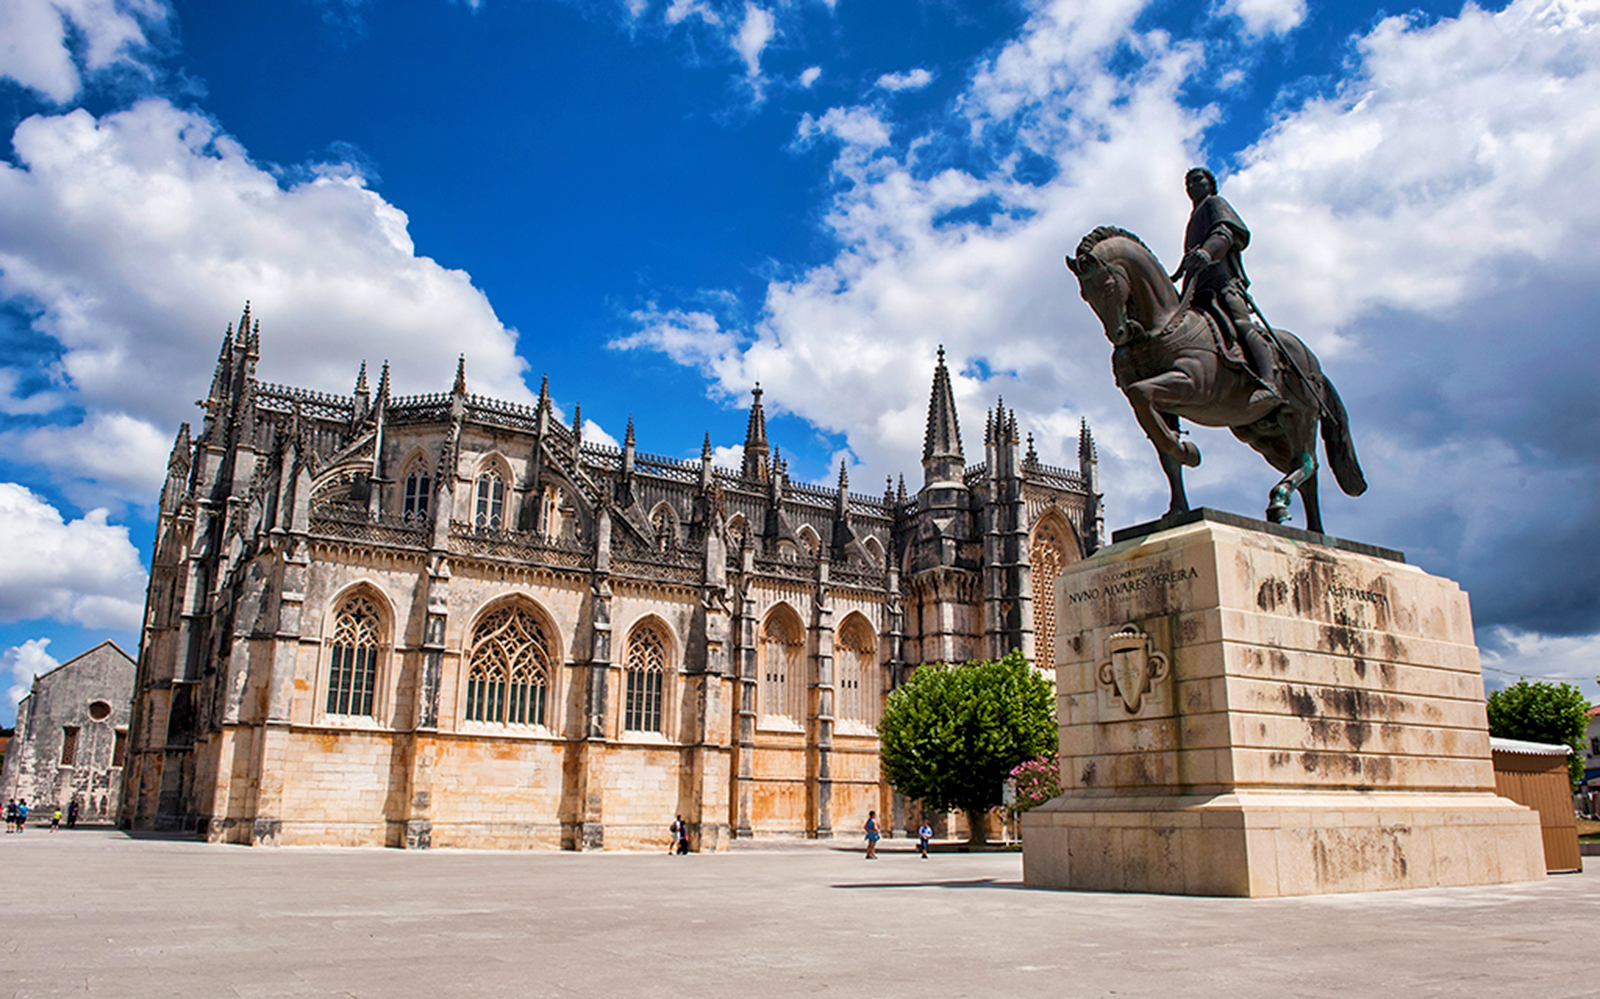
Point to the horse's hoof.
(1188, 454)
(1278, 514)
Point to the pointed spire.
(252, 349)
(243, 342)
(942, 458)
(1032, 456)
(900, 490)
(628, 438)
(844, 477)
(383, 381)
(460, 387)
(361, 380)
(888, 490)
(1086, 450)
(544, 391)
(705, 449)
(577, 425)
(755, 440)
(181, 447)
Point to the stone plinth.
(1261, 711)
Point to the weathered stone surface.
(71, 736)
(1320, 727)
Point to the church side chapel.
(446, 620)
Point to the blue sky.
(658, 202)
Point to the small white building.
(72, 737)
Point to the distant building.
(448, 620)
(1591, 757)
(72, 736)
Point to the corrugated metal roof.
(1529, 748)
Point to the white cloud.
(912, 80)
(1510, 653)
(81, 571)
(756, 30)
(21, 663)
(810, 76)
(108, 455)
(38, 49)
(681, 10)
(1267, 17)
(1427, 228)
(138, 236)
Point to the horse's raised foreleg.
(1152, 395)
(1308, 499)
(1174, 472)
(1278, 503)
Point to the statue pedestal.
(1248, 709)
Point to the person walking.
(55, 820)
(11, 815)
(22, 814)
(872, 835)
(72, 814)
(924, 834)
(683, 837)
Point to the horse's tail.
(1336, 441)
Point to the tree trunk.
(977, 826)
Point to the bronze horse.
(1169, 362)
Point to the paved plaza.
(95, 913)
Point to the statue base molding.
(1244, 711)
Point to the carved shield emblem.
(1132, 667)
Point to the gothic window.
(855, 663)
(808, 541)
(69, 745)
(874, 553)
(782, 650)
(353, 663)
(419, 493)
(645, 670)
(1052, 551)
(490, 501)
(508, 672)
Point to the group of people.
(17, 815)
(924, 837)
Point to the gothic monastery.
(445, 620)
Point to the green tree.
(1542, 712)
(952, 734)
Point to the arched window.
(738, 527)
(419, 493)
(508, 673)
(490, 501)
(353, 663)
(855, 657)
(1053, 549)
(645, 668)
(874, 552)
(782, 680)
(808, 540)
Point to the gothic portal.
(446, 620)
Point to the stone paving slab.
(95, 913)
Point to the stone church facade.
(446, 620)
(71, 739)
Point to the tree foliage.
(952, 734)
(1542, 712)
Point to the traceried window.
(809, 541)
(508, 672)
(855, 660)
(490, 501)
(782, 649)
(69, 745)
(353, 662)
(645, 668)
(1047, 557)
(419, 493)
(738, 527)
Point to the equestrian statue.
(1201, 355)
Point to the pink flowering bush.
(1037, 780)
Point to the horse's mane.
(1101, 233)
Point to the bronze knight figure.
(1179, 356)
